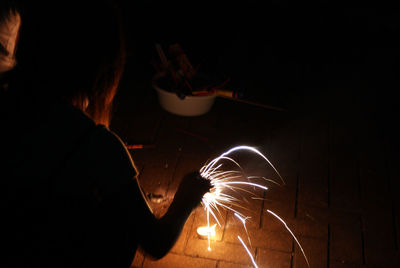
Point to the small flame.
(205, 231)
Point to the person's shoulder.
(109, 138)
(111, 151)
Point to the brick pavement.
(340, 171)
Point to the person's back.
(69, 190)
(63, 186)
(56, 184)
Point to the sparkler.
(237, 181)
(234, 180)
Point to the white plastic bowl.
(189, 106)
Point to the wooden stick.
(269, 107)
(139, 146)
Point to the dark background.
(276, 54)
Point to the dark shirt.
(69, 194)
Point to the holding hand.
(192, 189)
(167, 230)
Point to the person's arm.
(162, 233)
(120, 185)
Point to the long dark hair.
(8, 8)
(73, 50)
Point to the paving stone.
(204, 126)
(313, 187)
(314, 169)
(396, 225)
(179, 261)
(158, 173)
(314, 139)
(223, 264)
(281, 200)
(128, 120)
(219, 251)
(313, 222)
(316, 251)
(344, 170)
(346, 243)
(251, 204)
(180, 244)
(345, 264)
(285, 139)
(307, 226)
(393, 171)
(344, 188)
(341, 183)
(260, 238)
(248, 201)
(140, 158)
(314, 193)
(238, 124)
(374, 186)
(392, 156)
(329, 215)
(284, 210)
(285, 194)
(380, 240)
(273, 258)
(374, 173)
(200, 219)
(253, 221)
(288, 171)
(284, 148)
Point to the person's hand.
(192, 188)
(168, 228)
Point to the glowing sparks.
(243, 220)
(294, 237)
(248, 252)
(234, 180)
(210, 166)
(227, 184)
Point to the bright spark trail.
(248, 252)
(290, 231)
(225, 182)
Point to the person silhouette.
(69, 190)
